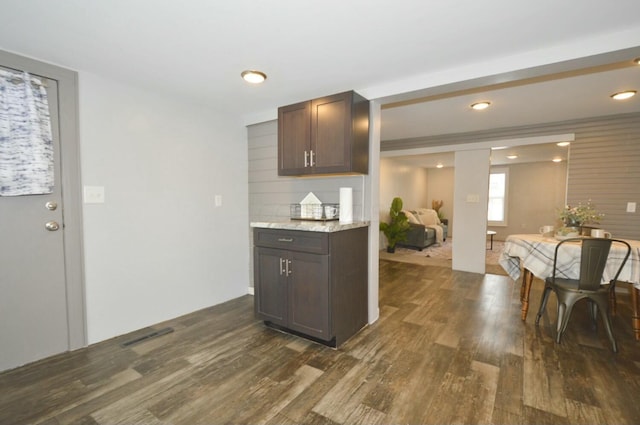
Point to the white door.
(33, 299)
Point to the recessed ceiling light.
(557, 159)
(497, 148)
(624, 95)
(512, 156)
(253, 77)
(480, 105)
(563, 144)
(439, 165)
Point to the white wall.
(404, 181)
(536, 192)
(470, 214)
(440, 183)
(158, 247)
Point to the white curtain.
(26, 145)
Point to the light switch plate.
(631, 207)
(473, 198)
(94, 194)
(218, 200)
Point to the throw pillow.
(410, 217)
(428, 217)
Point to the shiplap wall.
(604, 163)
(604, 167)
(270, 195)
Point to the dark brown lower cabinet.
(312, 283)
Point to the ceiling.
(555, 100)
(196, 50)
(542, 152)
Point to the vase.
(572, 223)
(568, 232)
(391, 249)
(572, 226)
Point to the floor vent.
(146, 337)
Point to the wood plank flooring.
(449, 347)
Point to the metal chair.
(593, 260)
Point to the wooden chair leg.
(527, 278)
(635, 315)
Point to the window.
(498, 184)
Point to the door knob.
(52, 226)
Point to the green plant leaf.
(398, 226)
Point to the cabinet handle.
(306, 159)
(285, 239)
(288, 269)
(311, 162)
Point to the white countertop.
(310, 226)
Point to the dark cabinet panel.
(315, 242)
(324, 136)
(271, 294)
(309, 295)
(312, 283)
(330, 131)
(294, 134)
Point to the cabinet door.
(309, 295)
(270, 282)
(331, 133)
(294, 137)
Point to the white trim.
(520, 141)
(589, 51)
(505, 220)
(372, 189)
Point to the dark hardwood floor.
(449, 347)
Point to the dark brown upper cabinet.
(329, 135)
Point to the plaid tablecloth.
(535, 253)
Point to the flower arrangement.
(580, 214)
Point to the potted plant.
(574, 218)
(436, 205)
(397, 227)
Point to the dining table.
(531, 255)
